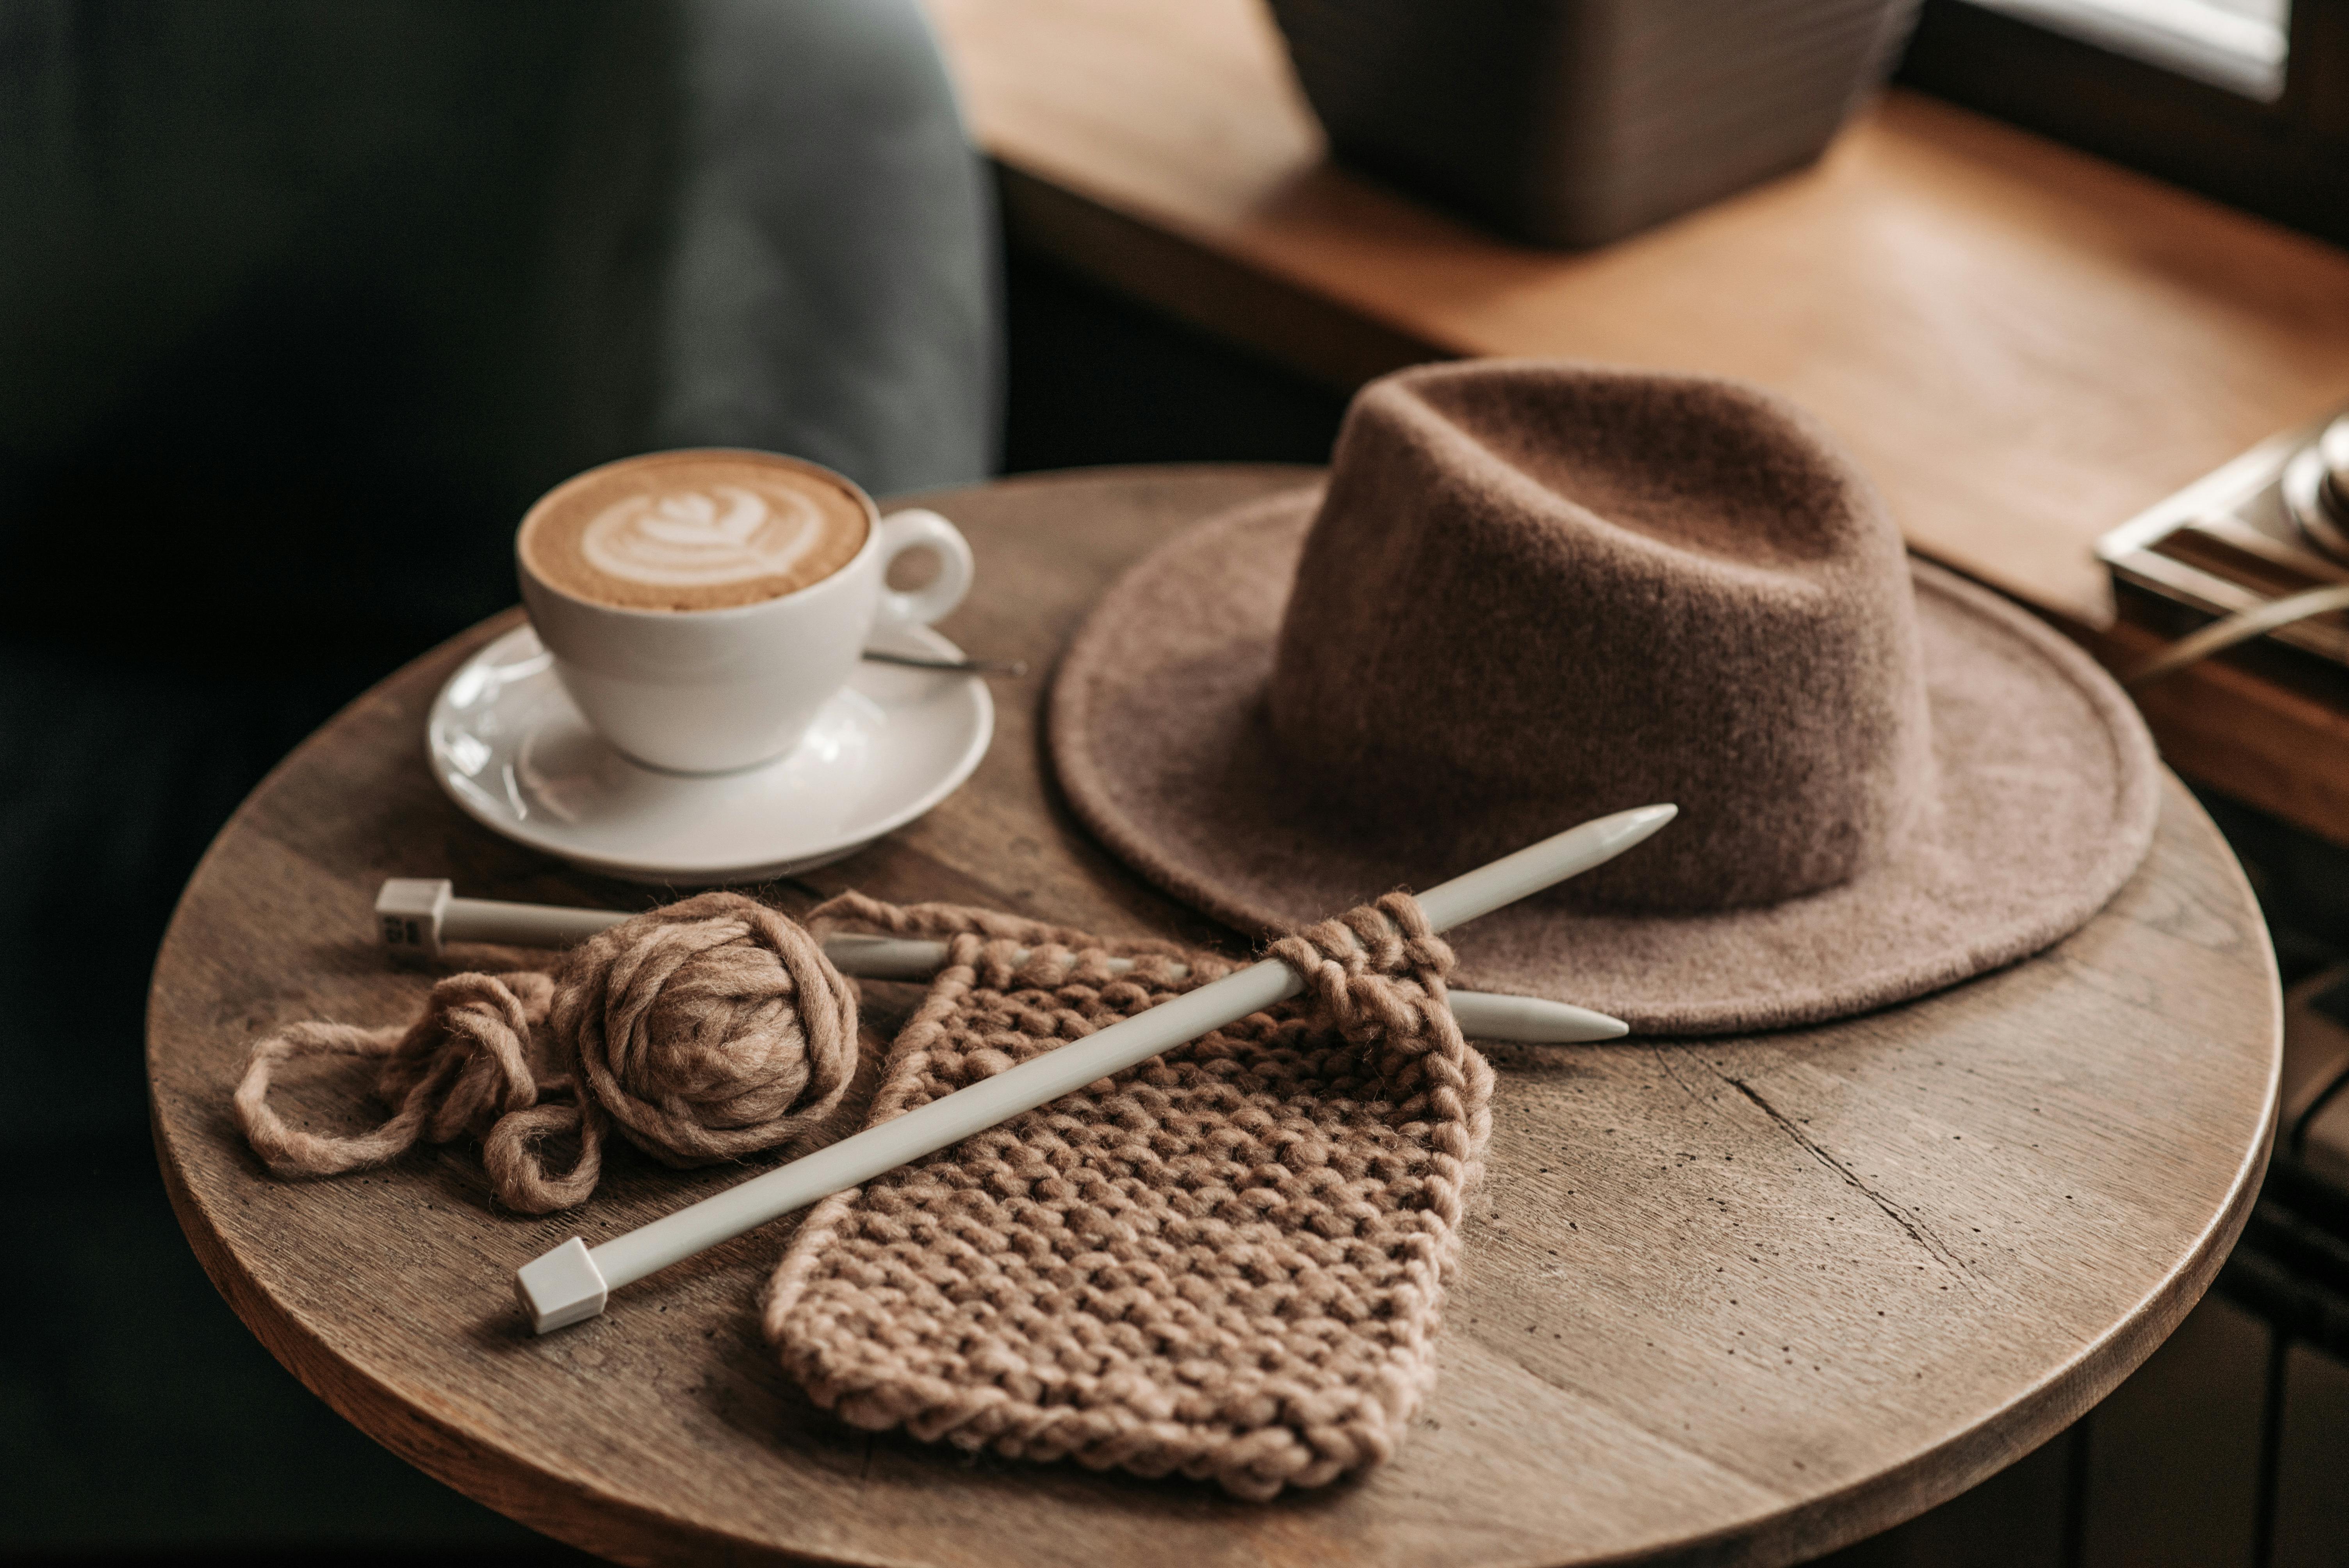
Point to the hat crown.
(1536, 592)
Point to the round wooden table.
(1739, 1300)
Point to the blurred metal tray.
(2227, 543)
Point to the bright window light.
(2238, 44)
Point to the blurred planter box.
(1574, 122)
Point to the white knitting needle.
(571, 1283)
(416, 915)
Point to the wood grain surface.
(1739, 1301)
(2024, 345)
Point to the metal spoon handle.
(1013, 667)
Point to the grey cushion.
(345, 285)
(353, 283)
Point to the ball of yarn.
(703, 1031)
(710, 1029)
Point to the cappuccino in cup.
(693, 530)
(702, 606)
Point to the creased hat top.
(1538, 592)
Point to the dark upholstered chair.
(300, 304)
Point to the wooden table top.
(2024, 345)
(1739, 1300)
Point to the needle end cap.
(408, 911)
(562, 1288)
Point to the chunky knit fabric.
(1228, 1261)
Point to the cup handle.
(917, 529)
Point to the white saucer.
(511, 750)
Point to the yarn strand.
(704, 1031)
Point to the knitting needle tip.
(1540, 865)
(1567, 1024)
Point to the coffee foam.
(692, 530)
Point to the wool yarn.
(1228, 1261)
(703, 1031)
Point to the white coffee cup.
(716, 690)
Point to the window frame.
(2286, 159)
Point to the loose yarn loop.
(706, 1030)
(1227, 1262)
(1376, 969)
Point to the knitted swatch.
(1228, 1261)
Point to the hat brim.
(2048, 786)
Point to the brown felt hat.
(1534, 592)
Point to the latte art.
(706, 530)
(698, 538)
